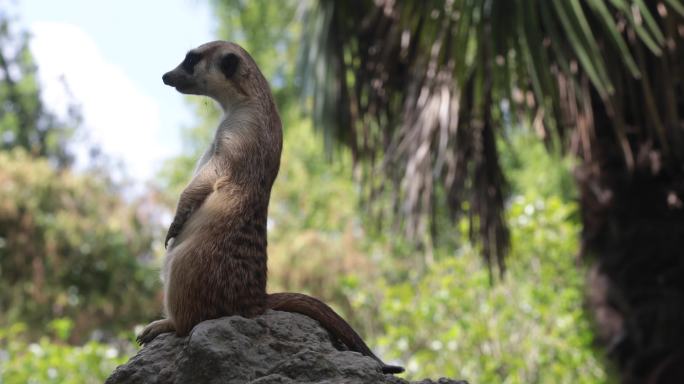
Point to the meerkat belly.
(218, 265)
(206, 219)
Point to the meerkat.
(215, 263)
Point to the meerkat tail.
(334, 323)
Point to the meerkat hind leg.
(155, 329)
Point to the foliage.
(444, 318)
(529, 328)
(419, 91)
(422, 92)
(24, 120)
(75, 251)
(316, 238)
(531, 167)
(71, 246)
(47, 361)
(440, 315)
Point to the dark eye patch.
(191, 59)
(229, 64)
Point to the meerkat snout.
(179, 80)
(168, 79)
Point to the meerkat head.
(220, 70)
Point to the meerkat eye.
(191, 59)
(229, 64)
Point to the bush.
(71, 246)
(528, 328)
(47, 361)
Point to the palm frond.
(420, 90)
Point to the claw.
(176, 226)
(144, 338)
(174, 230)
(154, 329)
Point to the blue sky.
(112, 55)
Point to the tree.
(24, 121)
(71, 246)
(421, 90)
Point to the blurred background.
(487, 190)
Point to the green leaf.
(581, 50)
(676, 5)
(650, 22)
(639, 28)
(611, 27)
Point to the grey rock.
(275, 348)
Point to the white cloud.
(118, 115)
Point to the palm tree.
(420, 90)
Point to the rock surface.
(275, 348)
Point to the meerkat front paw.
(155, 329)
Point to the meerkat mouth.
(182, 88)
(180, 83)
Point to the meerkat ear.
(229, 64)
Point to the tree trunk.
(633, 227)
